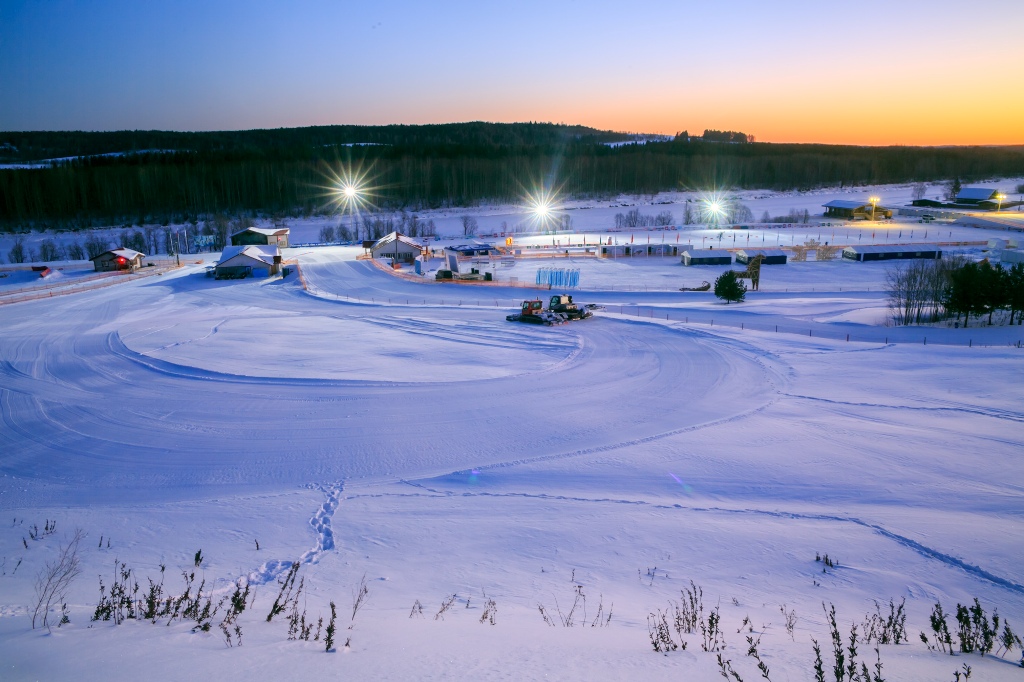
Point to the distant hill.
(22, 147)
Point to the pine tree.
(729, 288)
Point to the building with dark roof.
(891, 252)
(972, 196)
(853, 210)
(115, 260)
(707, 257)
(398, 247)
(267, 236)
(771, 256)
(251, 260)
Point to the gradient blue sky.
(942, 72)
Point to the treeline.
(192, 175)
(34, 146)
(933, 290)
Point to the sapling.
(417, 609)
(711, 632)
(198, 558)
(1008, 640)
(358, 601)
(359, 598)
(54, 579)
(329, 633)
(837, 643)
(819, 665)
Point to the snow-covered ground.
(596, 217)
(404, 431)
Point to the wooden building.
(974, 196)
(855, 210)
(397, 247)
(127, 260)
(262, 236)
(239, 262)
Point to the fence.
(100, 281)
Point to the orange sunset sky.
(869, 72)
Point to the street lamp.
(999, 201)
(874, 202)
(350, 196)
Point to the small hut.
(118, 260)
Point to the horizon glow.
(865, 73)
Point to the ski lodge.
(239, 262)
(262, 236)
(854, 210)
(976, 196)
(771, 256)
(707, 257)
(116, 260)
(891, 252)
(398, 247)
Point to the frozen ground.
(404, 431)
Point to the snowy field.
(403, 431)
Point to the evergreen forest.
(80, 179)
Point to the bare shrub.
(53, 581)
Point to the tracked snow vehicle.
(533, 312)
(562, 304)
(560, 310)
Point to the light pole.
(350, 196)
(999, 201)
(874, 203)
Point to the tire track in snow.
(981, 412)
(321, 525)
(921, 549)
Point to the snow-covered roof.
(762, 252)
(976, 193)
(266, 231)
(892, 248)
(392, 236)
(127, 254)
(261, 252)
(709, 253)
(471, 248)
(843, 203)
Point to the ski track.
(981, 412)
(923, 550)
